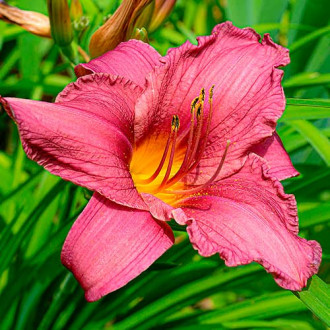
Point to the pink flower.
(189, 136)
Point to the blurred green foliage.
(181, 290)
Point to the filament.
(208, 182)
(175, 128)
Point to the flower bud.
(141, 34)
(30, 21)
(60, 22)
(76, 10)
(162, 10)
(119, 27)
(144, 19)
(81, 24)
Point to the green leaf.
(307, 79)
(317, 298)
(261, 307)
(315, 137)
(58, 300)
(13, 245)
(316, 215)
(302, 42)
(276, 324)
(306, 109)
(243, 13)
(266, 27)
(174, 298)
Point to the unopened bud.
(81, 23)
(60, 22)
(76, 10)
(119, 27)
(144, 19)
(162, 10)
(31, 21)
(141, 34)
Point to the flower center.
(167, 179)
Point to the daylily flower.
(189, 136)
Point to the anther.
(175, 123)
(211, 93)
(199, 110)
(209, 118)
(193, 104)
(202, 95)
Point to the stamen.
(161, 164)
(209, 118)
(185, 164)
(199, 116)
(175, 128)
(204, 185)
(192, 144)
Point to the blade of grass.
(306, 109)
(57, 302)
(261, 307)
(181, 294)
(307, 79)
(315, 137)
(8, 252)
(304, 41)
(317, 298)
(316, 215)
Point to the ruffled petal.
(109, 245)
(278, 160)
(86, 137)
(133, 60)
(248, 97)
(248, 217)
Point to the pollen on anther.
(211, 92)
(175, 123)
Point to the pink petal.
(86, 137)
(162, 211)
(133, 59)
(109, 245)
(248, 97)
(159, 209)
(248, 217)
(277, 158)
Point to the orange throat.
(161, 164)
